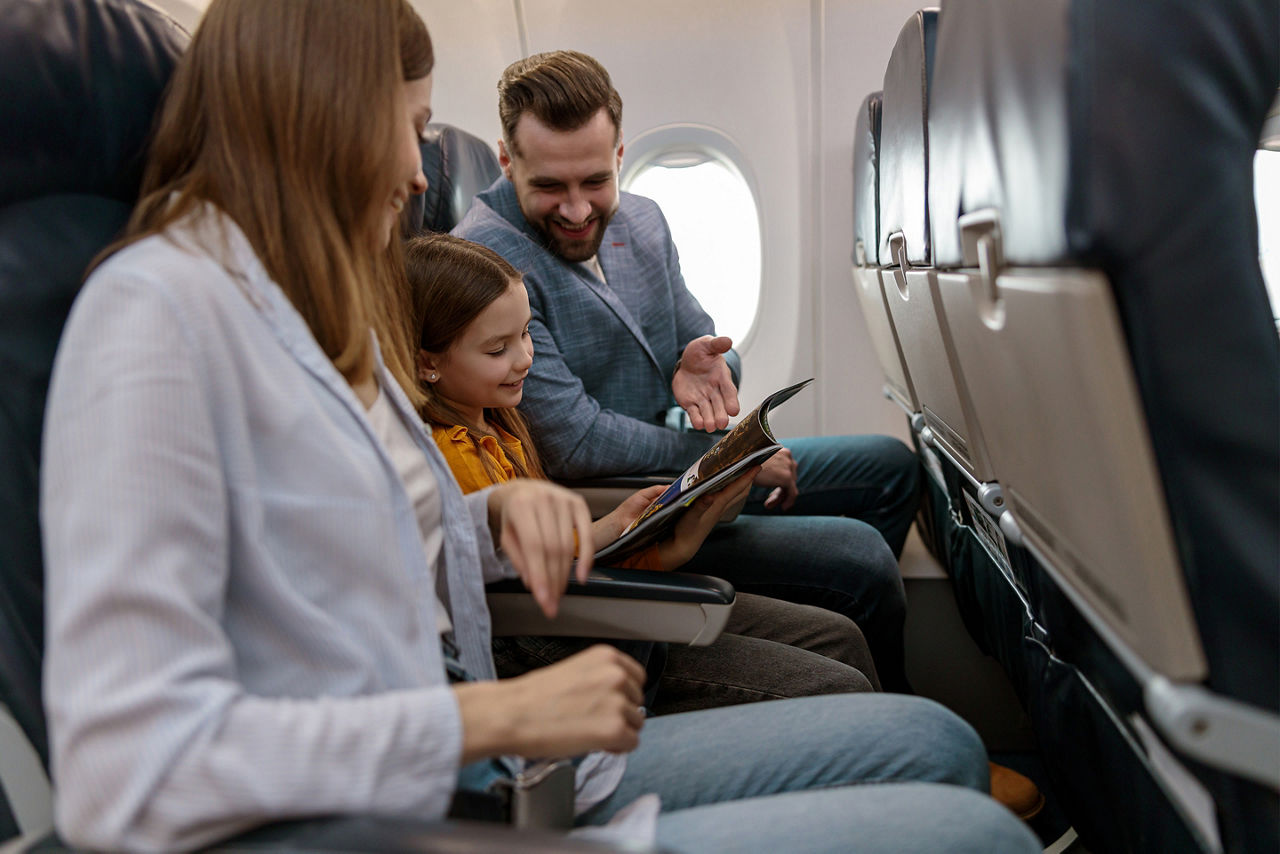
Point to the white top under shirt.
(593, 264)
(598, 774)
(420, 485)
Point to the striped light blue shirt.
(240, 618)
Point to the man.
(619, 339)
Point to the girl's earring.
(434, 376)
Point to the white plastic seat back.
(1049, 374)
(866, 254)
(907, 282)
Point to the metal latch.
(541, 796)
(983, 246)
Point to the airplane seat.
(945, 430)
(82, 81)
(868, 269)
(906, 252)
(1099, 275)
(866, 254)
(65, 193)
(457, 166)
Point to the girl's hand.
(609, 527)
(589, 701)
(533, 522)
(698, 520)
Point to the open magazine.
(748, 444)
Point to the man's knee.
(866, 554)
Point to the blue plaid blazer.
(604, 351)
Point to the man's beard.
(575, 251)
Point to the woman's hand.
(589, 701)
(693, 527)
(533, 522)
(779, 471)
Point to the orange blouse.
(464, 458)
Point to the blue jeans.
(836, 548)
(875, 479)
(847, 772)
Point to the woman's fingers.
(539, 521)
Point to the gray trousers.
(770, 650)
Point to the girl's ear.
(428, 367)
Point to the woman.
(250, 595)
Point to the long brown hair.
(452, 280)
(280, 114)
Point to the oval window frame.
(673, 140)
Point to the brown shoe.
(1015, 791)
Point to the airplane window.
(716, 229)
(1266, 193)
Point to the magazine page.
(750, 443)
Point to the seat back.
(1100, 279)
(70, 167)
(866, 254)
(909, 286)
(457, 166)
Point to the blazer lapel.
(618, 262)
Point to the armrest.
(370, 834)
(623, 604)
(602, 494)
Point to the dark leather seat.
(457, 165)
(81, 84)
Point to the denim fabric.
(770, 650)
(839, 564)
(891, 774)
(811, 554)
(872, 478)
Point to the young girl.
(474, 353)
(472, 317)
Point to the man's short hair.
(563, 89)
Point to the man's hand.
(589, 701)
(703, 385)
(533, 522)
(779, 471)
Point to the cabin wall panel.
(856, 40)
(474, 41)
(742, 67)
(781, 78)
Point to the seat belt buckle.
(541, 796)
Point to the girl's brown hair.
(451, 281)
(280, 114)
